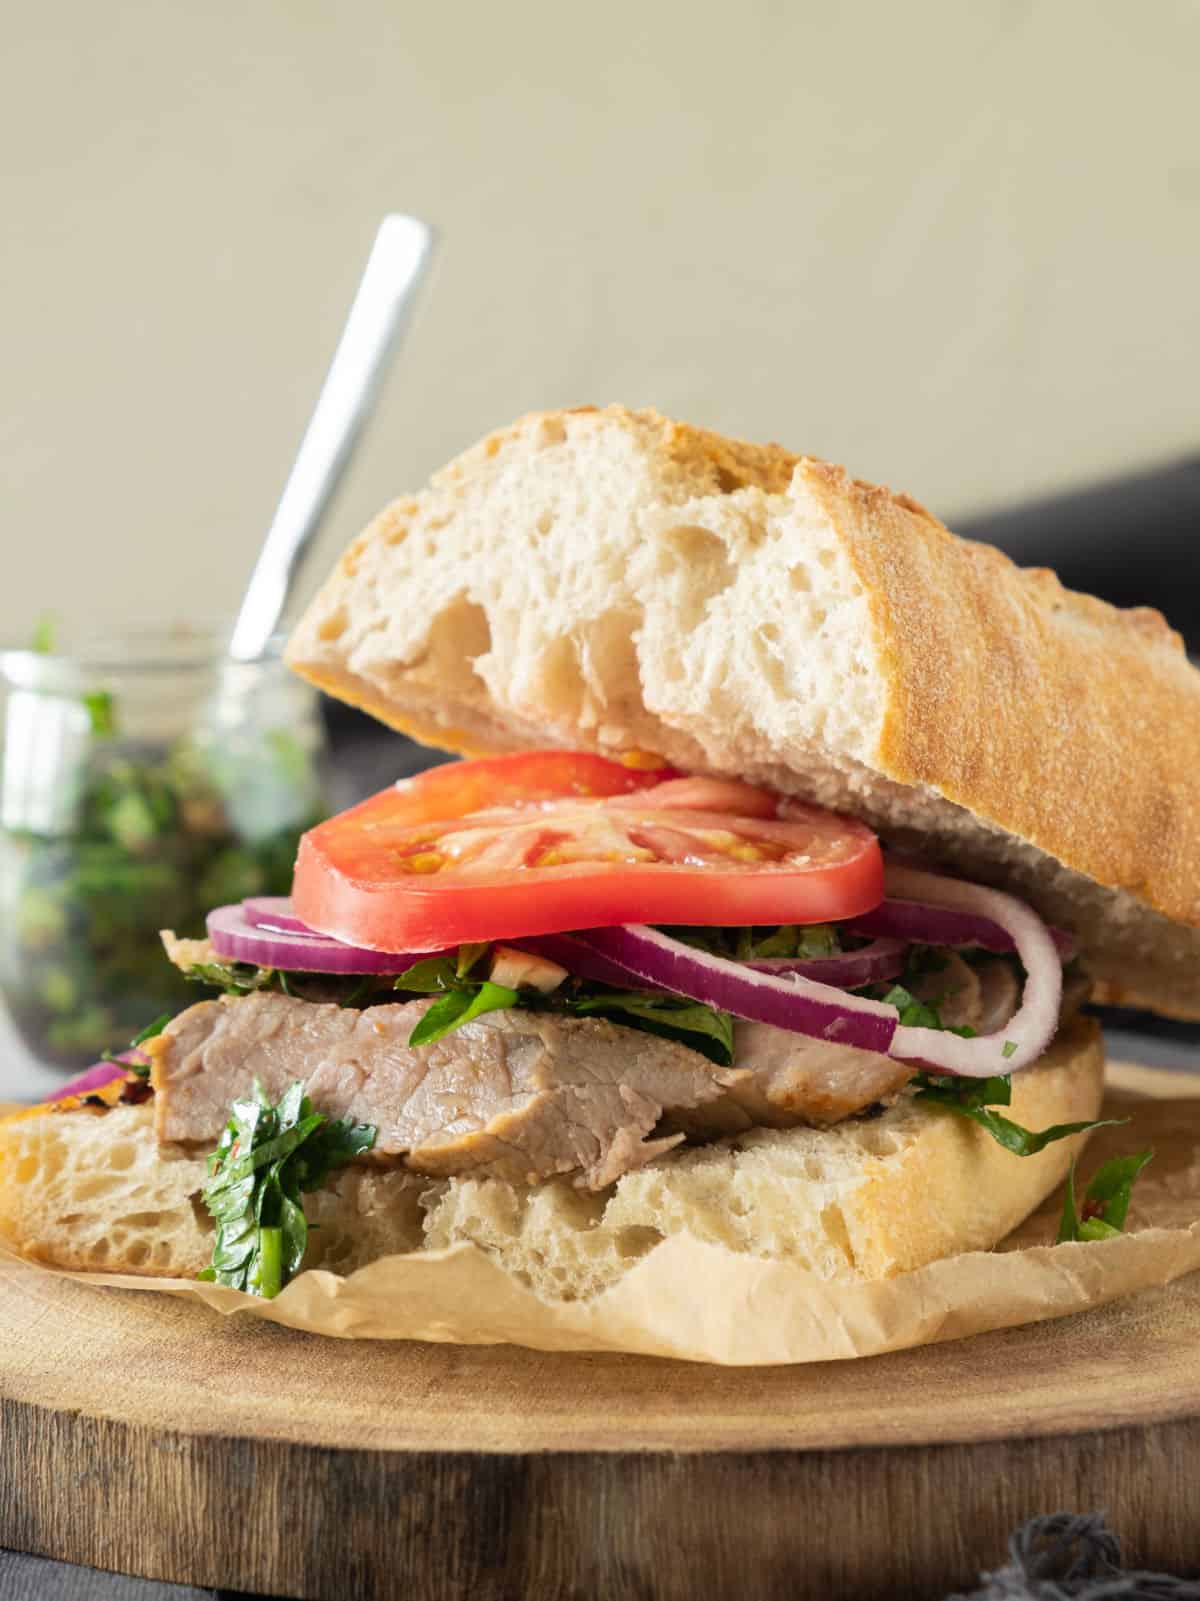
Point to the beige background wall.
(955, 244)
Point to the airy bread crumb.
(866, 1199)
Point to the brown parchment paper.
(693, 1300)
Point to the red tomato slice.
(545, 841)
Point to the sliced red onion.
(921, 922)
(91, 1079)
(274, 912)
(851, 970)
(823, 1012)
(793, 1002)
(1031, 1028)
(577, 956)
(236, 939)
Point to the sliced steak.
(520, 1094)
(523, 1095)
(782, 1079)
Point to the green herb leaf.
(151, 1031)
(459, 1007)
(1105, 1201)
(914, 1013)
(101, 712)
(265, 1277)
(966, 1092)
(748, 944)
(43, 635)
(691, 1023)
(811, 941)
(141, 1068)
(973, 1099)
(332, 1146)
(357, 993)
(243, 978)
(266, 1158)
(431, 977)
(234, 978)
(468, 955)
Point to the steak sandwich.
(793, 836)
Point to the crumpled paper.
(701, 1302)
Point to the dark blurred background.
(1133, 540)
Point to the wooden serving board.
(145, 1434)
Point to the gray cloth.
(26, 1578)
(1064, 1557)
(1072, 1556)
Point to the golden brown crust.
(983, 1191)
(725, 464)
(971, 642)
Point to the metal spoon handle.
(394, 268)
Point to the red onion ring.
(236, 939)
(274, 912)
(91, 1079)
(794, 1003)
(823, 1012)
(873, 964)
(1031, 1027)
(920, 922)
(578, 957)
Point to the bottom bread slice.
(868, 1198)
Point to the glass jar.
(142, 782)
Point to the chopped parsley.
(463, 993)
(461, 1005)
(1105, 1201)
(243, 978)
(808, 942)
(463, 997)
(141, 1067)
(672, 1017)
(267, 1157)
(974, 1098)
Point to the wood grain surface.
(146, 1435)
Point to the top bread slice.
(612, 580)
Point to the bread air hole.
(200, 1213)
(122, 1156)
(143, 1220)
(635, 1241)
(95, 1187)
(698, 547)
(834, 1224)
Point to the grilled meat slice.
(520, 1094)
(781, 1079)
